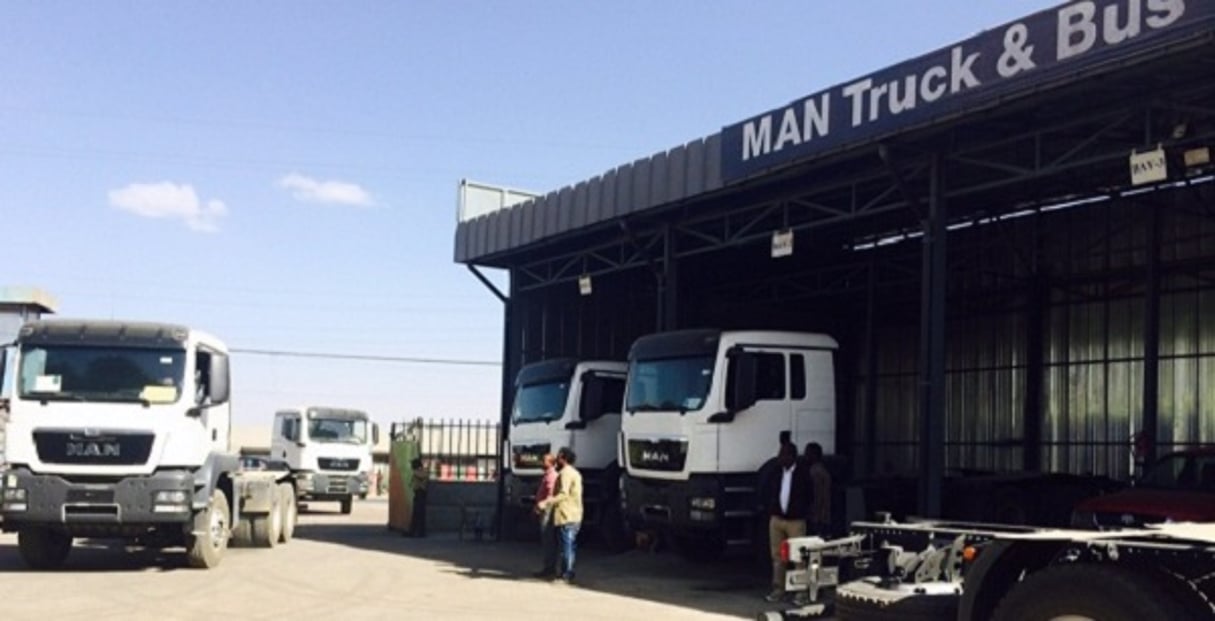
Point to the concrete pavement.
(352, 567)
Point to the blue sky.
(283, 174)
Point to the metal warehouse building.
(1012, 238)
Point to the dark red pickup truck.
(1179, 487)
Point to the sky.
(284, 174)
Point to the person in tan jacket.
(566, 506)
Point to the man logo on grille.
(94, 449)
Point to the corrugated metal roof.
(757, 146)
(667, 177)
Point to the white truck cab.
(328, 450)
(120, 430)
(704, 411)
(565, 403)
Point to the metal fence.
(455, 450)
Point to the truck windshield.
(100, 373)
(337, 430)
(668, 385)
(540, 402)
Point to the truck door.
(815, 409)
(751, 438)
(597, 424)
(288, 439)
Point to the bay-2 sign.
(1071, 37)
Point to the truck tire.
(1104, 592)
(852, 604)
(268, 528)
(347, 505)
(287, 502)
(209, 540)
(242, 534)
(43, 549)
(613, 530)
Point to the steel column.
(1151, 335)
(668, 283)
(932, 348)
(1037, 305)
(871, 371)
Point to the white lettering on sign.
(796, 127)
(1150, 167)
(870, 102)
(870, 106)
(782, 244)
(1080, 23)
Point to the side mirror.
(742, 390)
(590, 407)
(375, 434)
(220, 385)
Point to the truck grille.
(660, 455)
(333, 463)
(338, 485)
(102, 449)
(530, 456)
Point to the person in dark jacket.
(421, 480)
(787, 498)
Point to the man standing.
(787, 497)
(548, 532)
(819, 518)
(566, 505)
(421, 478)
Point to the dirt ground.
(352, 567)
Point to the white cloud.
(172, 201)
(310, 190)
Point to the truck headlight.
(171, 501)
(704, 503)
(14, 499)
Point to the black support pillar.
(932, 348)
(1151, 336)
(1037, 306)
(668, 284)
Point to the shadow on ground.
(728, 587)
(102, 556)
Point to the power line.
(365, 357)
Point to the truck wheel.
(242, 534)
(286, 495)
(42, 548)
(347, 505)
(209, 540)
(1082, 591)
(268, 528)
(613, 532)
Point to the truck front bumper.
(159, 498)
(326, 486)
(689, 506)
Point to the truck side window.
(291, 428)
(797, 377)
(202, 378)
(613, 396)
(770, 383)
